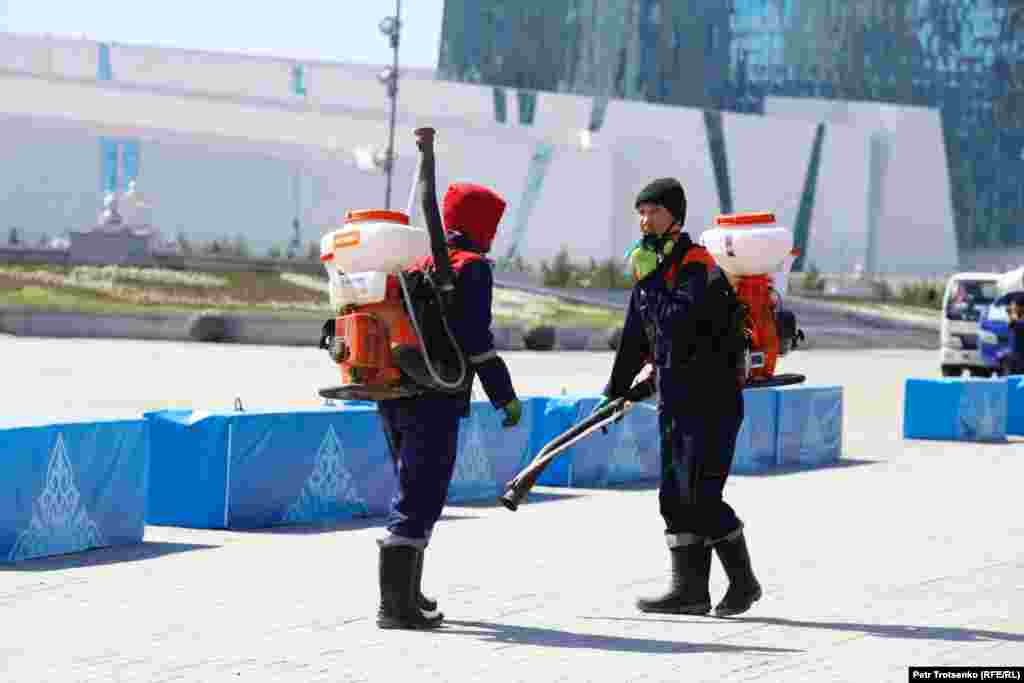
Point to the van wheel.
(952, 371)
(981, 372)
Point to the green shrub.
(882, 290)
(924, 293)
(513, 265)
(812, 280)
(562, 272)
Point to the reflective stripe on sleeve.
(483, 357)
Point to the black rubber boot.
(688, 592)
(744, 590)
(398, 604)
(426, 605)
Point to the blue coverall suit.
(423, 431)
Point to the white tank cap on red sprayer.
(374, 240)
(749, 244)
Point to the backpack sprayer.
(756, 256)
(756, 261)
(390, 336)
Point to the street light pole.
(392, 27)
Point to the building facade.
(963, 57)
(229, 145)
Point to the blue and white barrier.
(72, 486)
(489, 454)
(955, 409)
(237, 470)
(259, 469)
(629, 451)
(756, 448)
(809, 426)
(1015, 405)
(782, 427)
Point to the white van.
(966, 297)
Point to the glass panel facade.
(113, 177)
(500, 105)
(965, 57)
(298, 80)
(108, 165)
(104, 72)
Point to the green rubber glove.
(601, 404)
(513, 413)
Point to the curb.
(216, 327)
(872, 318)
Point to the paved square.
(907, 553)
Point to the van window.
(997, 313)
(969, 298)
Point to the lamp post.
(391, 27)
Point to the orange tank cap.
(755, 218)
(363, 215)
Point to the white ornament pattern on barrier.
(626, 463)
(60, 523)
(330, 489)
(473, 476)
(979, 415)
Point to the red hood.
(474, 211)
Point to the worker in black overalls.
(698, 349)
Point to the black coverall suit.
(700, 401)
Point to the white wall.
(840, 220)
(557, 117)
(768, 159)
(201, 71)
(206, 192)
(914, 231)
(110, 105)
(574, 208)
(227, 73)
(654, 141)
(585, 202)
(71, 57)
(49, 178)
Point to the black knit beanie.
(667, 192)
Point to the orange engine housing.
(758, 293)
(366, 335)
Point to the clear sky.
(339, 30)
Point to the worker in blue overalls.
(423, 431)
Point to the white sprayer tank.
(751, 244)
(370, 246)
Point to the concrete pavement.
(907, 553)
